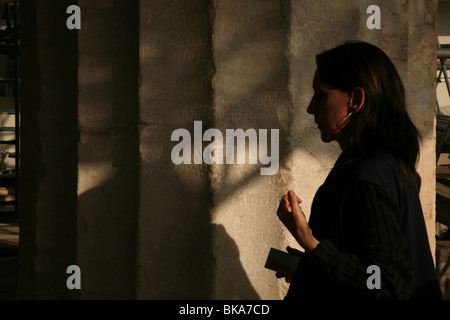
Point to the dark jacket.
(367, 212)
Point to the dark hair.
(383, 119)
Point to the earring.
(348, 117)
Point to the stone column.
(108, 163)
(174, 231)
(250, 93)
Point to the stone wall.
(174, 231)
(101, 189)
(108, 158)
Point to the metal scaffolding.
(9, 89)
(442, 120)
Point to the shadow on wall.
(177, 253)
(233, 283)
(193, 269)
(107, 216)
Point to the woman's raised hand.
(291, 215)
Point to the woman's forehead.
(318, 82)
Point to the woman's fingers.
(286, 202)
(287, 276)
(294, 251)
(294, 201)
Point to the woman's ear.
(357, 98)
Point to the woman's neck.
(345, 142)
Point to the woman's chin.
(326, 138)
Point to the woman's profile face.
(330, 108)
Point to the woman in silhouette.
(368, 211)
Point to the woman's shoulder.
(380, 167)
(380, 158)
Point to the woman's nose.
(310, 108)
